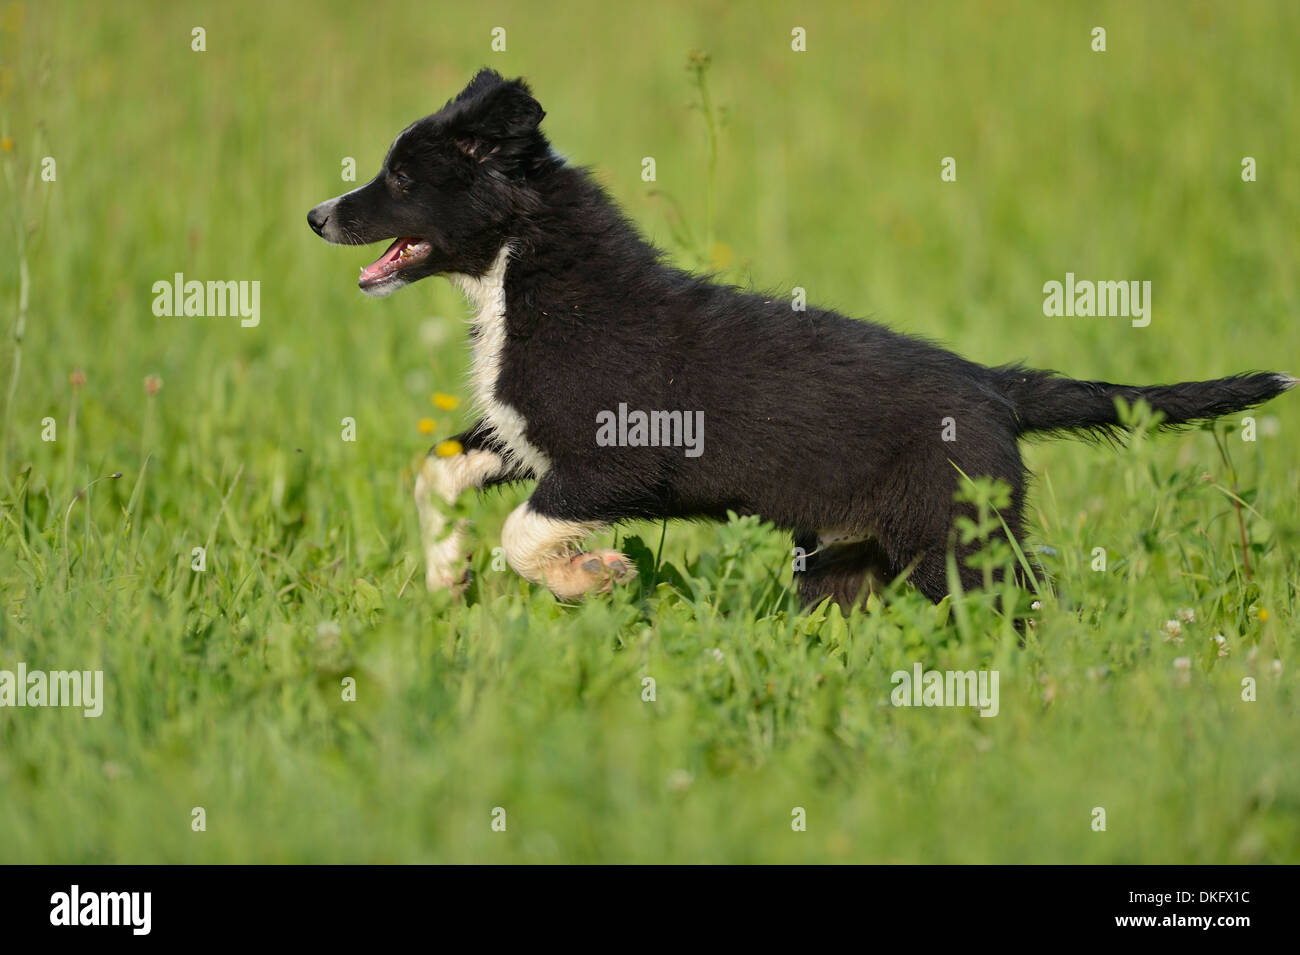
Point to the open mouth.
(402, 254)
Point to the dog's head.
(451, 188)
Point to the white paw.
(446, 562)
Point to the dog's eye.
(399, 180)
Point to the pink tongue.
(377, 267)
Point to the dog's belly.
(487, 294)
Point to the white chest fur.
(487, 295)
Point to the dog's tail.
(1047, 402)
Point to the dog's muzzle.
(319, 217)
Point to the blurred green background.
(223, 687)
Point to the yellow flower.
(445, 402)
(7, 144)
(448, 449)
(1263, 615)
(426, 426)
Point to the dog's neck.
(566, 254)
(486, 293)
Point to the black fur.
(814, 421)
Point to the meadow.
(307, 694)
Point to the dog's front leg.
(470, 460)
(542, 542)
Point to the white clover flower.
(679, 780)
(1173, 632)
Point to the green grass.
(224, 687)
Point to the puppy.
(626, 388)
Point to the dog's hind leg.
(470, 460)
(930, 561)
(847, 572)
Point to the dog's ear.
(498, 120)
(484, 80)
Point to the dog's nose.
(317, 219)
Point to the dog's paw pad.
(594, 571)
(609, 562)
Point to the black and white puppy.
(627, 388)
